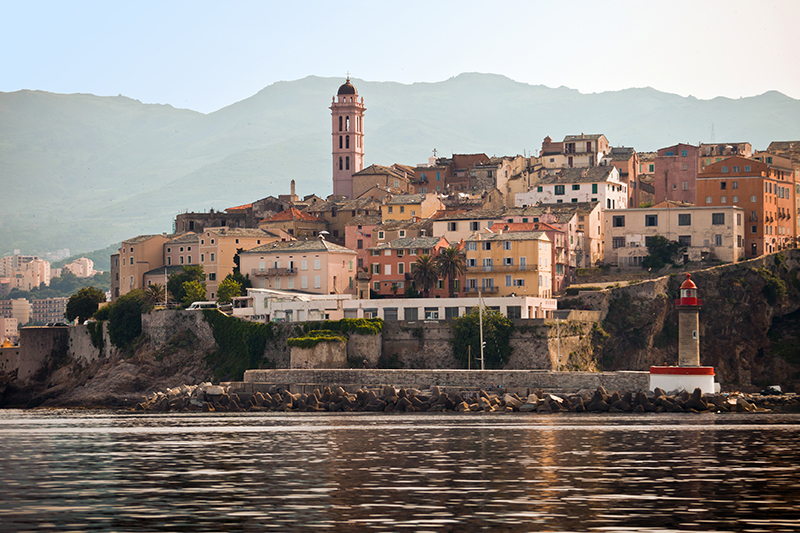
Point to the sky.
(205, 55)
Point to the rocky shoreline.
(216, 398)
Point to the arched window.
(347, 142)
(347, 124)
(358, 123)
(340, 141)
(340, 163)
(340, 123)
(347, 163)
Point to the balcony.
(503, 268)
(484, 290)
(274, 272)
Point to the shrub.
(125, 319)
(497, 331)
(240, 345)
(312, 338)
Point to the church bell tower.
(347, 112)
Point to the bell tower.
(347, 112)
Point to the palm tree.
(424, 273)
(451, 264)
(155, 294)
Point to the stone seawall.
(451, 380)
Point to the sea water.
(69, 470)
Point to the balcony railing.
(274, 272)
(484, 290)
(503, 268)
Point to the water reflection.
(89, 471)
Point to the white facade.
(261, 305)
(597, 184)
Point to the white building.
(577, 185)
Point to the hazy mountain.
(82, 171)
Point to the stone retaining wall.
(452, 380)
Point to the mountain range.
(80, 171)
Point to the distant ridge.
(82, 171)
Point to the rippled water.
(99, 471)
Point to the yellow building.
(407, 206)
(218, 246)
(499, 264)
(136, 257)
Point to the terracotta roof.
(392, 225)
(292, 214)
(189, 237)
(239, 232)
(141, 238)
(473, 214)
(345, 205)
(240, 207)
(315, 245)
(525, 226)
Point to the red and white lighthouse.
(688, 374)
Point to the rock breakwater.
(216, 398)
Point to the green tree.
(125, 318)
(193, 291)
(424, 273)
(84, 303)
(451, 264)
(228, 289)
(154, 294)
(661, 251)
(176, 281)
(496, 334)
(243, 281)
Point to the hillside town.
(425, 241)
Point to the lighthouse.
(689, 374)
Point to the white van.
(202, 305)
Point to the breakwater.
(217, 398)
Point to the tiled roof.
(474, 214)
(392, 225)
(578, 175)
(239, 232)
(314, 245)
(364, 220)
(292, 214)
(511, 236)
(525, 226)
(378, 169)
(405, 199)
(345, 205)
(140, 238)
(240, 207)
(647, 156)
(189, 237)
(582, 137)
(410, 242)
(170, 270)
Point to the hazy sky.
(206, 55)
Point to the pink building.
(358, 236)
(390, 264)
(675, 176)
(347, 114)
(316, 266)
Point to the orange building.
(765, 191)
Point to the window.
(708, 199)
(388, 269)
(576, 187)
(474, 226)
(723, 185)
(753, 198)
(303, 282)
(594, 188)
(202, 257)
(685, 240)
(723, 199)
(685, 219)
(438, 177)
(486, 246)
(747, 168)
(402, 233)
(400, 253)
(724, 169)
(360, 244)
(735, 199)
(316, 282)
(452, 226)
(212, 276)
(651, 220)
(618, 242)
(401, 268)
(717, 240)
(316, 264)
(390, 210)
(508, 261)
(376, 268)
(618, 221)
(380, 233)
(559, 190)
(304, 264)
(717, 218)
(402, 209)
(472, 246)
(472, 262)
(685, 186)
(684, 153)
(506, 245)
(684, 166)
(652, 168)
(670, 153)
(376, 286)
(539, 189)
(736, 169)
(212, 257)
(508, 280)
